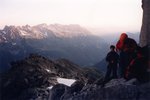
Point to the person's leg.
(121, 64)
(127, 60)
(114, 71)
(108, 73)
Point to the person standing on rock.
(112, 59)
(126, 48)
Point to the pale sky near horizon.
(104, 15)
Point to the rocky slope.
(30, 78)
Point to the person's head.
(123, 36)
(112, 47)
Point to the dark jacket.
(112, 57)
(138, 69)
(130, 45)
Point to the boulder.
(73, 90)
(57, 91)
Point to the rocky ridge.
(31, 77)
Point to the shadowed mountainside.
(37, 73)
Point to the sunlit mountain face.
(55, 41)
(42, 31)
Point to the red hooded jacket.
(126, 44)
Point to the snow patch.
(4, 37)
(66, 81)
(46, 34)
(4, 32)
(23, 33)
(50, 87)
(13, 43)
(48, 70)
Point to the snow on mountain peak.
(42, 31)
(68, 30)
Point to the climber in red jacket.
(126, 47)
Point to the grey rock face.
(116, 89)
(145, 30)
(73, 90)
(30, 78)
(34, 94)
(57, 91)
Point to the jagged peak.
(9, 27)
(43, 30)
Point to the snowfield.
(66, 81)
(48, 70)
(50, 87)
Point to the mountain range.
(54, 41)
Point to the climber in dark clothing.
(112, 59)
(139, 66)
(126, 48)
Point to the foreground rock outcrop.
(117, 89)
(30, 78)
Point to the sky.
(102, 15)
